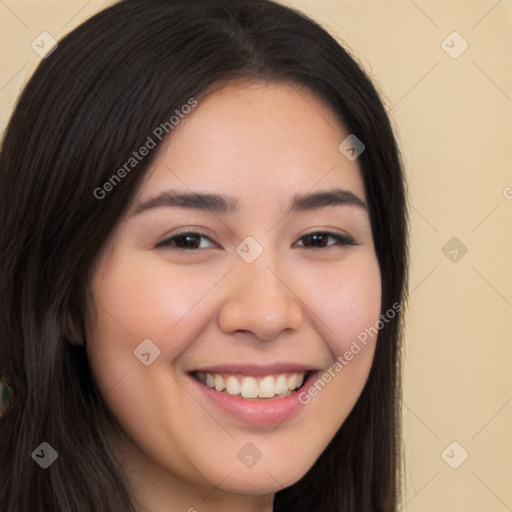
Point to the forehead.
(255, 140)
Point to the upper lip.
(252, 369)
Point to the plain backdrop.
(444, 69)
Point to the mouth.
(255, 395)
(254, 387)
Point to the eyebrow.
(226, 205)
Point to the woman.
(244, 372)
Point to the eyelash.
(342, 240)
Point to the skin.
(261, 143)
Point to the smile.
(261, 397)
(253, 387)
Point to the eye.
(318, 239)
(184, 241)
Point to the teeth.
(249, 387)
(282, 385)
(266, 389)
(219, 382)
(233, 386)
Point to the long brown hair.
(87, 107)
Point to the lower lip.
(262, 413)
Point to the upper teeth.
(252, 387)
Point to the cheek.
(347, 300)
(135, 302)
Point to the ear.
(72, 332)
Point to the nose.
(260, 301)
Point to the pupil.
(317, 237)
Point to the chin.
(261, 479)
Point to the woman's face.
(257, 297)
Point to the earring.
(6, 397)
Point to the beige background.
(453, 119)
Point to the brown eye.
(184, 241)
(319, 240)
(191, 241)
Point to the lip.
(261, 413)
(255, 370)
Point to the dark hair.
(87, 107)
